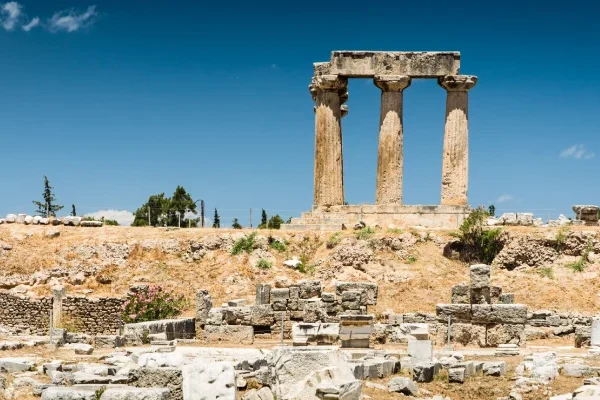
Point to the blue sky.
(117, 100)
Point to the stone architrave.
(389, 157)
(58, 293)
(455, 163)
(329, 93)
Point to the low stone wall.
(24, 314)
(92, 315)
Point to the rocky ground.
(414, 268)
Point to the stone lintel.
(418, 64)
(392, 83)
(457, 83)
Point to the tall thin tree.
(216, 220)
(47, 208)
(73, 211)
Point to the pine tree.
(275, 222)
(216, 220)
(47, 208)
(73, 211)
(492, 210)
(263, 220)
(236, 224)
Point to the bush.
(365, 233)
(479, 243)
(152, 304)
(547, 272)
(334, 240)
(110, 222)
(395, 230)
(561, 237)
(277, 245)
(263, 263)
(245, 244)
(411, 259)
(577, 266)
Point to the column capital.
(329, 83)
(457, 83)
(392, 83)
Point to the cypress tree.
(47, 208)
(216, 220)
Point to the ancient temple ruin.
(392, 72)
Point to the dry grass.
(405, 286)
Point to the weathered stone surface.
(587, 392)
(404, 386)
(494, 368)
(215, 316)
(351, 390)
(588, 214)
(16, 364)
(92, 224)
(456, 151)
(458, 312)
(69, 393)
(263, 293)
(203, 306)
(465, 334)
(133, 393)
(229, 333)
(108, 341)
(480, 276)
(169, 377)
(424, 372)
(577, 370)
(460, 294)
(505, 333)
(370, 290)
(204, 380)
(262, 315)
(309, 289)
(183, 328)
(499, 313)
(371, 63)
(456, 375)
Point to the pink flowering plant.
(152, 303)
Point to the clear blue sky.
(129, 98)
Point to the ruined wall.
(25, 315)
(94, 316)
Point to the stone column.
(329, 93)
(455, 164)
(58, 293)
(389, 155)
(595, 332)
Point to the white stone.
(28, 220)
(21, 218)
(595, 338)
(209, 381)
(11, 218)
(587, 392)
(293, 263)
(16, 364)
(420, 350)
(80, 348)
(44, 221)
(135, 393)
(69, 393)
(403, 385)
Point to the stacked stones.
(587, 214)
(25, 314)
(94, 316)
(277, 309)
(487, 316)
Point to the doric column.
(455, 163)
(389, 156)
(329, 93)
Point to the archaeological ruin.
(392, 72)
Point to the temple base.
(336, 218)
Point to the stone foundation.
(336, 218)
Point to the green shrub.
(334, 240)
(263, 263)
(411, 259)
(151, 304)
(394, 230)
(561, 237)
(245, 244)
(577, 266)
(477, 242)
(277, 245)
(547, 272)
(365, 233)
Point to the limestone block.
(318, 333)
(495, 293)
(460, 294)
(80, 348)
(229, 333)
(404, 386)
(203, 306)
(377, 368)
(348, 390)
(480, 276)
(308, 289)
(108, 341)
(456, 375)
(169, 377)
(180, 328)
(499, 313)
(280, 294)
(351, 300)
(16, 364)
(395, 319)
(480, 296)
(280, 305)
(262, 315)
(210, 381)
(505, 333)
(420, 350)
(458, 312)
(263, 394)
(294, 292)
(494, 368)
(577, 370)
(424, 372)
(370, 290)
(263, 293)
(215, 316)
(327, 297)
(469, 367)
(238, 315)
(507, 298)
(419, 331)
(587, 392)
(465, 334)
(92, 224)
(314, 312)
(133, 393)
(69, 393)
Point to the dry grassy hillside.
(409, 266)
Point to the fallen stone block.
(134, 393)
(494, 368)
(404, 386)
(183, 328)
(108, 341)
(469, 367)
(343, 391)
(318, 333)
(456, 375)
(92, 224)
(16, 364)
(262, 394)
(80, 348)
(202, 380)
(423, 372)
(576, 370)
(169, 377)
(69, 393)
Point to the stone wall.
(94, 316)
(24, 314)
